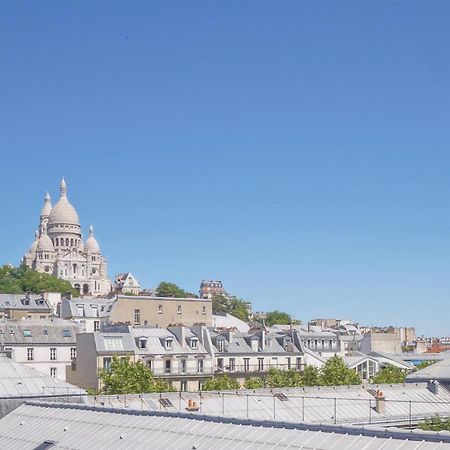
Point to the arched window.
(71, 242)
(56, 241)
(67, 242)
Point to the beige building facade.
(161, 312)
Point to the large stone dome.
(63, 212)
(91, 243)
(45, 244)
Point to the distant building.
(59, 249)
(24, 306)
(45, 345)
(209, 289)
(161, 311)
(89, 313)
(126, 283)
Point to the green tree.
(336, 373)
(424, 364)
(17, 280)
(233, 306)
(166, 289)
(127, 377)
(221, 383)
(277, 318)
(254, 383)
(390, 375)
(436, 423)
(283, 378)
(311, 376)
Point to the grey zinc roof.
(37, 331)
(80, 427)
(92, 307)
(126, 339)
(19, 380)
(156, 341)
(438, 371)
(24, 302)
(342, 404)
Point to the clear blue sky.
(298, 151)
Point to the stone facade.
(59, 249)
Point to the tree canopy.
(335, 373)
(436, 423)
(16, 280)
(128, 377)
(221, 383)
(277, 318)
(166, 289)
(390, 375)
(233, 306)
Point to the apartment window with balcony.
(220, 364)
(73, 353)
(200, 366)
(299, 363)
(246, 364)
(232, 364)
(96, 325)
(137, 316)
(53, 372)
(183, 386)
(150, 364)
(260, 364)
(52, 354)
(167, 366)
(30, 354)
(183, 366)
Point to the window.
(220, 345)
(179, 309)
(204, 310)
(66, 333)
(160, 309)
(299, 363)
(73, 353)
(137, 316)
(220, 364)
(194, 344)
(113, 343)
(260, 364)
(168, 366)
(232, 364)
(27, 333)
(246, 364)
(169, 344)
(142, 343)
(106, 363)
(288, 363)
(183, 366)
(30, 354)
(150, 364)
(183, 386)
(96, 325)
(200, 366)
(53, 372)
(52, 354)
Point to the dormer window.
(194, 344)
(169, 344)
(220, 345)
(142, 342)
(27, 333)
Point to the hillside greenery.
(17, 280)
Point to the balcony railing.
(255, 368)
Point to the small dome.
(63, 212)
(35, 242)
(91, 243)
(47, 208)
(45, 244)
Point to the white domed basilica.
(58, 248)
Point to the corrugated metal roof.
(438, 371)
(342, 404)
(78, 427)
(19, 380)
